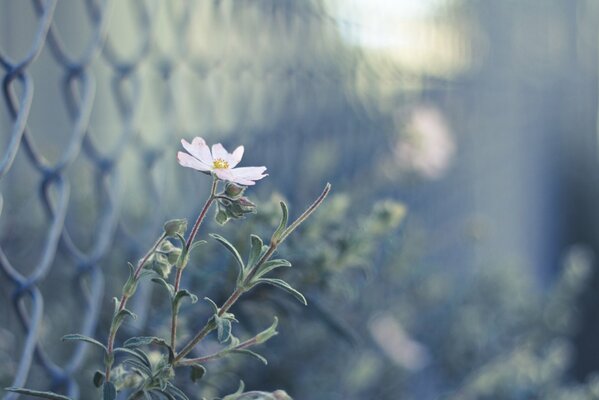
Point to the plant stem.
(240, 346)
(123, 303)
(210, 325)
(188, 243)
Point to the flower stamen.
(219, 163)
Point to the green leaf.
(283, 224)
(239, 391)
(255, 251)
(120, 316)
(175, 226)
(181, 294)
(223, 326)
(37, 393)
(137, 353)
(268, 332)
(233, 251)
(98, 378)
(170, 288)
(175, 392)
(131, 284)
(212, 305)
(139, 341)
(270, 265)
(251, 353)
(108, 391)
(282, 285)
(143, 369)
(76, 336)
(195, 244)
(197, 372)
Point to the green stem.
(199, 360)
(123, 303)
(210, 325)
(188, 243)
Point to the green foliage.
(146, 365)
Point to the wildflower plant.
(131, 371)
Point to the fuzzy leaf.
(212, 305)
(268, 332)
(223, 326)
(120, 316)
(175, 392)
(108, 391)
(283, 224)
(170, 288)
(76, 336)
(140, 355)
(282, 285)
(270, 265)
(255, 251)
(181, 294)
(195, 244)
(144, 369)
(251, 353)
(232, 250)
(139, 341)
(197, 372)
(38, 393)
(98, 378)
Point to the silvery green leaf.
(212, 305)
(98, 378)
(195, 244)
(250, 353)
(282, 285)
(144, 369)
(270, 265)
(255, 251)
(108, 391)
(223, 326)
(268, 332)
(239, 391)
(232, 250)
(140, 355)
(175, 392)
(283, 224)
(38, 393)
(76, 336)
(139, 341)
(181, 294)
(170, 288)
(175, 226)
(197, 372)
(120, 316)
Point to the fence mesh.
(89, 152)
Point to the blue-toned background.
(478, 119)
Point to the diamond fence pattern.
(57, 173)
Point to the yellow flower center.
(219, 163)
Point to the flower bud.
(233, 191)
(175, 226)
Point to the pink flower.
(219, 162)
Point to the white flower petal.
(228, 175)
(218, 151)
(191, 162)
(253, 173)
(236, 156)
(199, 149)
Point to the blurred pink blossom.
(426, 146)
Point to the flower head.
(219, 162)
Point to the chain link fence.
(87, 166)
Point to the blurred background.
(455, 258)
